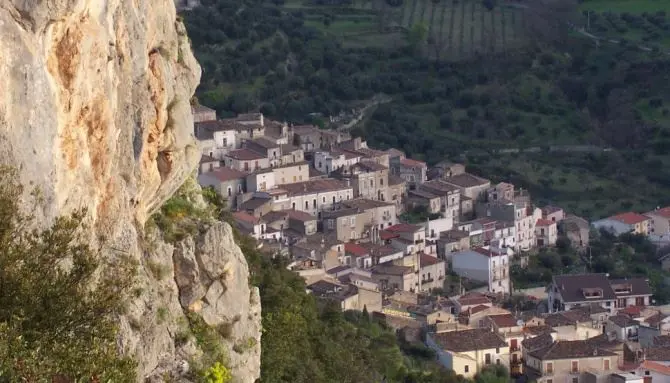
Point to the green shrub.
(218, 373)
(56, 323)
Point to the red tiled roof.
(224, 174)
(503, 320)
(656, 367)
(404, 228)
(473, 299)
(663, 212)
(412, 163)
(245, 217)
(300, 215)
(476, 309)
(355, 249)
(386, 235)
(428, 260)
(630, 218)
(245, 155)
(544, 222)
(632, 310)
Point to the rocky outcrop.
(94, 111)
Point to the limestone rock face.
(94, 112)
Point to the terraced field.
(456, 28)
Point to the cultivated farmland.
(456, 28)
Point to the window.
(230, 191)
(306, 205)
(381, 182)
(498, 362)
(293, 205)
(487, 359)
(466, 369)
(314, 203)
(549, 381)
(606, 364)
(352, 221)
(575, 380)
(225, 141)
(353, 235)
(324, 199)
(549, 369)
(333, 199)
(575, 366)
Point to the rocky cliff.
(94, 111)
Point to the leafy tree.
(59, 300)
(417, 34)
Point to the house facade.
(546, 232)
(571, 361)
(630, 222)
(488, 265)
(659, 221)
(467, 352)
(570, 291)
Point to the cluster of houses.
(331, 204)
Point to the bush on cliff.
(59, 301)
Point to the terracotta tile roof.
(454, 235)
(265, 143)
(410, 163)
(254, 203)
(428, 260)
(423, 194)
(603, 340)
(662, 340)
(300, 215)
(663, 212)
(544, 222)
(380, 251)
(658, 353)
(630, 218)
(569, 350)
(245, 217)
(245, 155)
(386, 235)
(656, 367)
(466, 180)
(633, 311)
(201, 109)
(225, 174)
(355, 249)
(468, 340)
(315, 186)
(504, 320)
(438, 186)
(404, 228)
(639, 286)
(623, 321)
(470, 299)
(389, 268)
(371, 166)
(541, 341)
(478, 308)
(571, 286)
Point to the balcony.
(427, 280)
(514, 348)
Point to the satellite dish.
(520, 322)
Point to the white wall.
(436, 226)
(470, 264)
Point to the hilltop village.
(375, 231)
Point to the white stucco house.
(485, 264)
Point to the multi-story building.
(202, 113)
(450, 197)
(315, 196)
(490, 265)
(568, 291)
(467, 352)
(571, 361)
(347, 224)
(431, 271)
(412, 171)
(523, 217)
(329, 161)
(369, 179)
(431, 202)
(229, 183)
(546, 232)
(511, 330)
(576, 229)
(403, 236)
(246, 160)
(470, 185)
(375, 213)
